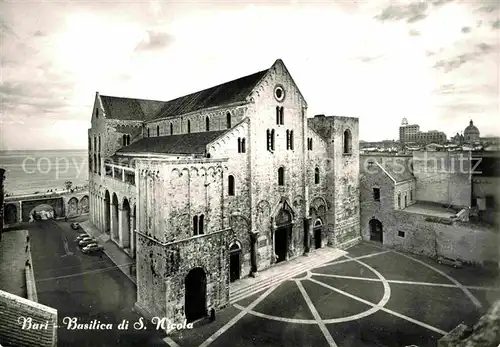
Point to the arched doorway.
(72, 207)
(42, 212)
(114, 218)
(107, 212)
(376, 230)
(282, 235)
(126, 224)
(84, 204)
(234, 262)
(317, 230)
(195, 294)
(10, 214)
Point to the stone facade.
(417, 231)
(268, 187)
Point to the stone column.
(113, 223)
(100, 211)
(132, 234)
(307, 235)
(254, 236)
(122, 220)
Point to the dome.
(471, 129)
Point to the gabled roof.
(223, 94)
(130, 109)
(139, 109)
(193, 143)
(398, 172)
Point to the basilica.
(206, 189)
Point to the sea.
(31, 171)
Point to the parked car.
(451, 262)
(92, 247)
(81, 236)
(75, 226)
(86, 241)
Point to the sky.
(436, 63)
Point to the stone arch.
(376, 230)
(72, 207)
(318, 222)
(347, 141)
(195, 286)
(235, 254)
(10, 214)
(318, 201)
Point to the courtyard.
(369, 297)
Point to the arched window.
(171, 129)
(99, 143)
(230, 185)
(207, 124)
(268, 132)
(288, 139)
(281, 113)
(96, 112)
(95, 163)
(272, 139)
(148, 132)
(124, 140)
(239, 144)
(228, 120)
(157, 130)
(399, 200)
(95, 143)
(195, 225)
(347, 141)
(99, 163)
(411, 195)
(128, 140)
(316, 176)
(201, 226)
(189, 126)
(243, 145)
(291, 140)
(281, 176)
(277, 115)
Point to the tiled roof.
(193, 143)
(130, 109)
(400, 170)
(226, 93)
(137, 109)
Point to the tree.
(68, 185)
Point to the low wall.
(14, 311)
(458, 240)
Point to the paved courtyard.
(369, 297)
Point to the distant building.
(471, 133)
(407, 132)
(429, 137)
(2, 172)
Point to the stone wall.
(162, 269)
(2, 177)
(464, 241)
(197, 121)
(12, 309)
(443, 177)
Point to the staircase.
(270, 277)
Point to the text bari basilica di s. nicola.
(217, 185)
